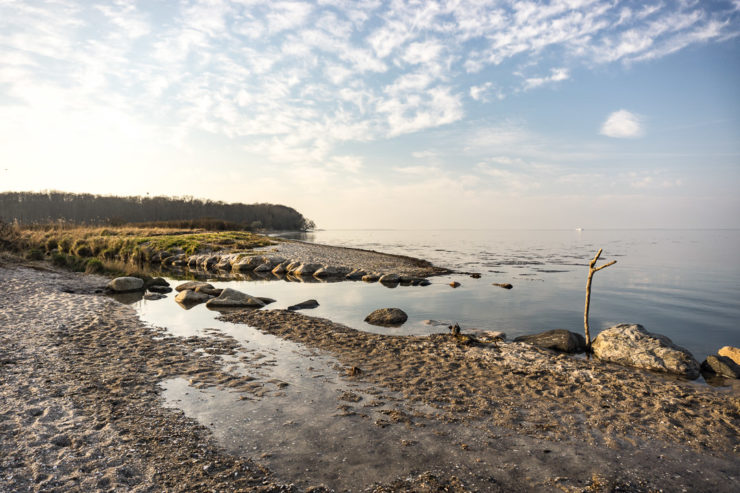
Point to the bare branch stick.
(591, 270)
(605, 265)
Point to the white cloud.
(424, 154)
(622, 124)
(298, 78)
(556, 75)
(485, 92)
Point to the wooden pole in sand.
(591, 271)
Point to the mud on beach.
(82, 408)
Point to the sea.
(684, 284)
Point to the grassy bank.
(92, 249)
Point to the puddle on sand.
(312, 425)
(335, 434)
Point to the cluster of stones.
(195, 292)
(155, 288)
(281, 267)
(632, 345)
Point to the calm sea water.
(683, 284)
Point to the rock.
(558, 339)
(632, 345)
(192, 285)
(504, 285)
(280, 269)
(424, 282)
(232, 297)
(210, 260)
(731, 352)
(475, 275)
(159, 289)
(370, 277)
(390, 279)
(190, 297)
(387, 317)
(208, 289)
(266, 267)
(356, 274)
(304, 305)
(245, 264)
(126, 284)
(224, 264)
(306, 269)
(331, 271)
(265, 300)
(157, 281)
(178, 260)
(455, 284)
(721, 365)
(274, 260)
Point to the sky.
(384, 114)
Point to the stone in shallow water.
(390, 278)
(190, 297)
(721, 365)
(632, 345)
(125, 284)
(232, 297)
(193, 285)
(558, 339)
(387, 317)
(304, 305)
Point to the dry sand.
(81, 408)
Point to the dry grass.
(130, 243)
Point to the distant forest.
(45, 207)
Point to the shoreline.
(81, 391)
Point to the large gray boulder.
(632, 345)
(126, 284)
(558, 339)
(233, 298)
(387, 317)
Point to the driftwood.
(591, 270)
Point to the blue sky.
(421, 114)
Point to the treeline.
(28, 208)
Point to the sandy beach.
(82, 408)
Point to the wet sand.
(82, 407)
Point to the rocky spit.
(81, 406)
(305, 261)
